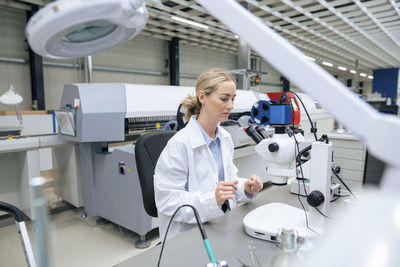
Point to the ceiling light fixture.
(327, 64)
(352, 71)
(237, 37)
(190, 22)
(342, 68)
(310, 58)
(370, 77)
(363, 74)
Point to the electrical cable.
(207, 244)
(298, 160)
(325, 138)
(304, 185)
(298, 150)
(305, 213)
(308, 115)
(301, 168)
(297, 145)
(305, 191)
(120, 230)
(342, 182)
(300, 154)
(316, 139)
(242, 264)
(320, 212)
(337, 195)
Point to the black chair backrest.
(147, 150)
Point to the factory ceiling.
(333, 31)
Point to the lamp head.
(11, 97)
(78, 28)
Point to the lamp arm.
(19, 116)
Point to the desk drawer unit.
(350, 156)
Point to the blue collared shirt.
(215, 147)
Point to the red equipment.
(295, 104)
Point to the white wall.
(272, 77)
(195, 60)
(12, 25)
(141, 53)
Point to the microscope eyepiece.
(252, 132)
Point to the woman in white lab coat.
(196, 167)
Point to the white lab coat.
(187, 173)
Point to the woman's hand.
(225, 190)
(253, 184)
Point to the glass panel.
(90, 31)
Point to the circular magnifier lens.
(90, 31)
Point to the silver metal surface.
(26, 244)
(41, 223)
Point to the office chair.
(147, 150)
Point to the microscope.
(290, 156)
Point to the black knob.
(337, 169)
(273, 147)
(315, 198)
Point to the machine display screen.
(66, 122)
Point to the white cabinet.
(349, 154)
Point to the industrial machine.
(105, 120)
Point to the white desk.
(226, 234)
(19, 162)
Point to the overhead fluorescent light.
(363, 74)
(237, 37)
(327, 64)
(310, 58)
(190, 22)
(342, 68)
(370, 77)
(353, 71)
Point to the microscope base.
(265, 221)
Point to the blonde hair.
(207, 82)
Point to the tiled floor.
(75, 241)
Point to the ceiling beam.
(364, 8)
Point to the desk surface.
(226, 234)
(20, 144)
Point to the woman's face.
(217, 105)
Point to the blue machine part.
(270, 112)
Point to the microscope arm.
(347, 107)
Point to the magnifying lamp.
(78, 28)
(12, 98)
